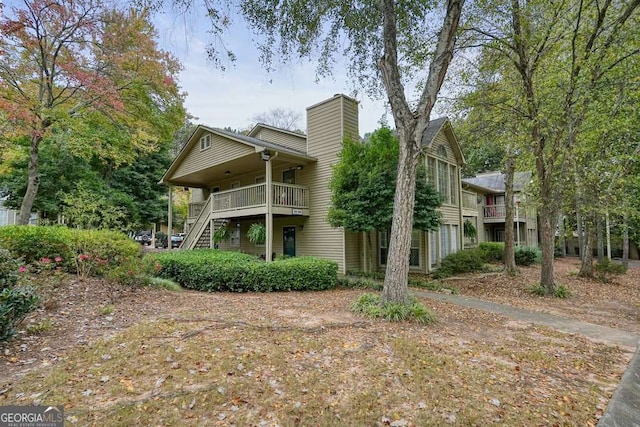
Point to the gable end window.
(205, 142)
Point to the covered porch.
(234, 178)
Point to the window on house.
(205, 142)
(454, 238)
(445, 241)
(442, 151)
(443, 181)
(235, 236)
(453, 184)
(431, 171)
(384, 246)
(414, 256)
(433, 248)
(289, 176)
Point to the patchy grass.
(560, 291)
(370, 305)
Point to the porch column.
(269, 215)
(170, 217)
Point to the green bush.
(377, 275)
(32, 243)
(359, 283)
(369, 305)
(8, 270)
(87, 252)
(213, 270)
(493, 251)
(527, 255)
(465, 261)
(606, 269)
(15, 301)
(560, 291)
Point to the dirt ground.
(75, 315)
(615, 304)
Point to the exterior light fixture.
(299, 167)
(265, 155)
(227, 173)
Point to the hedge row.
(33, 243)
(214, 271)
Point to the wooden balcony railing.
(284, 195)
(499, 212)
(239, 198)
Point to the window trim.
(205, 142)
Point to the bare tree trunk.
(586, 267)
(600, 239)
(410, 125)
(33, 182)
(509, 251)
(397, 273)
(625, 242)
(562, 241)
(580, 231)
(547, 245)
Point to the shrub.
(465, 261)
(606, 269)
(527, 255)
(369, 305)
(15, 301)
(493, 251)
(213, 270)
(377, 275)
(86, 252)
(359, 283)
(8, 270)
(432, 285)
(33, 243)
(561, 291)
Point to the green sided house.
(281, 179)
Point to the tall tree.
(387, 43)
(559, 52)
(76, 66)
(363, 187)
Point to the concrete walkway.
(624, 408)
(596, 332)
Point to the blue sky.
(233, 97)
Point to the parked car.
(143, 237)
(176, 240)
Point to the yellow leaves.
(128, 384)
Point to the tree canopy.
(87, 75)
(363, 187)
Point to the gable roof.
(493, 182)
(256, 143)
(256, 129)
(442, 124)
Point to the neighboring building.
(10, 216)
(281, 179)
(490, 217)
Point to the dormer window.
(442, 151)
(205, 142)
